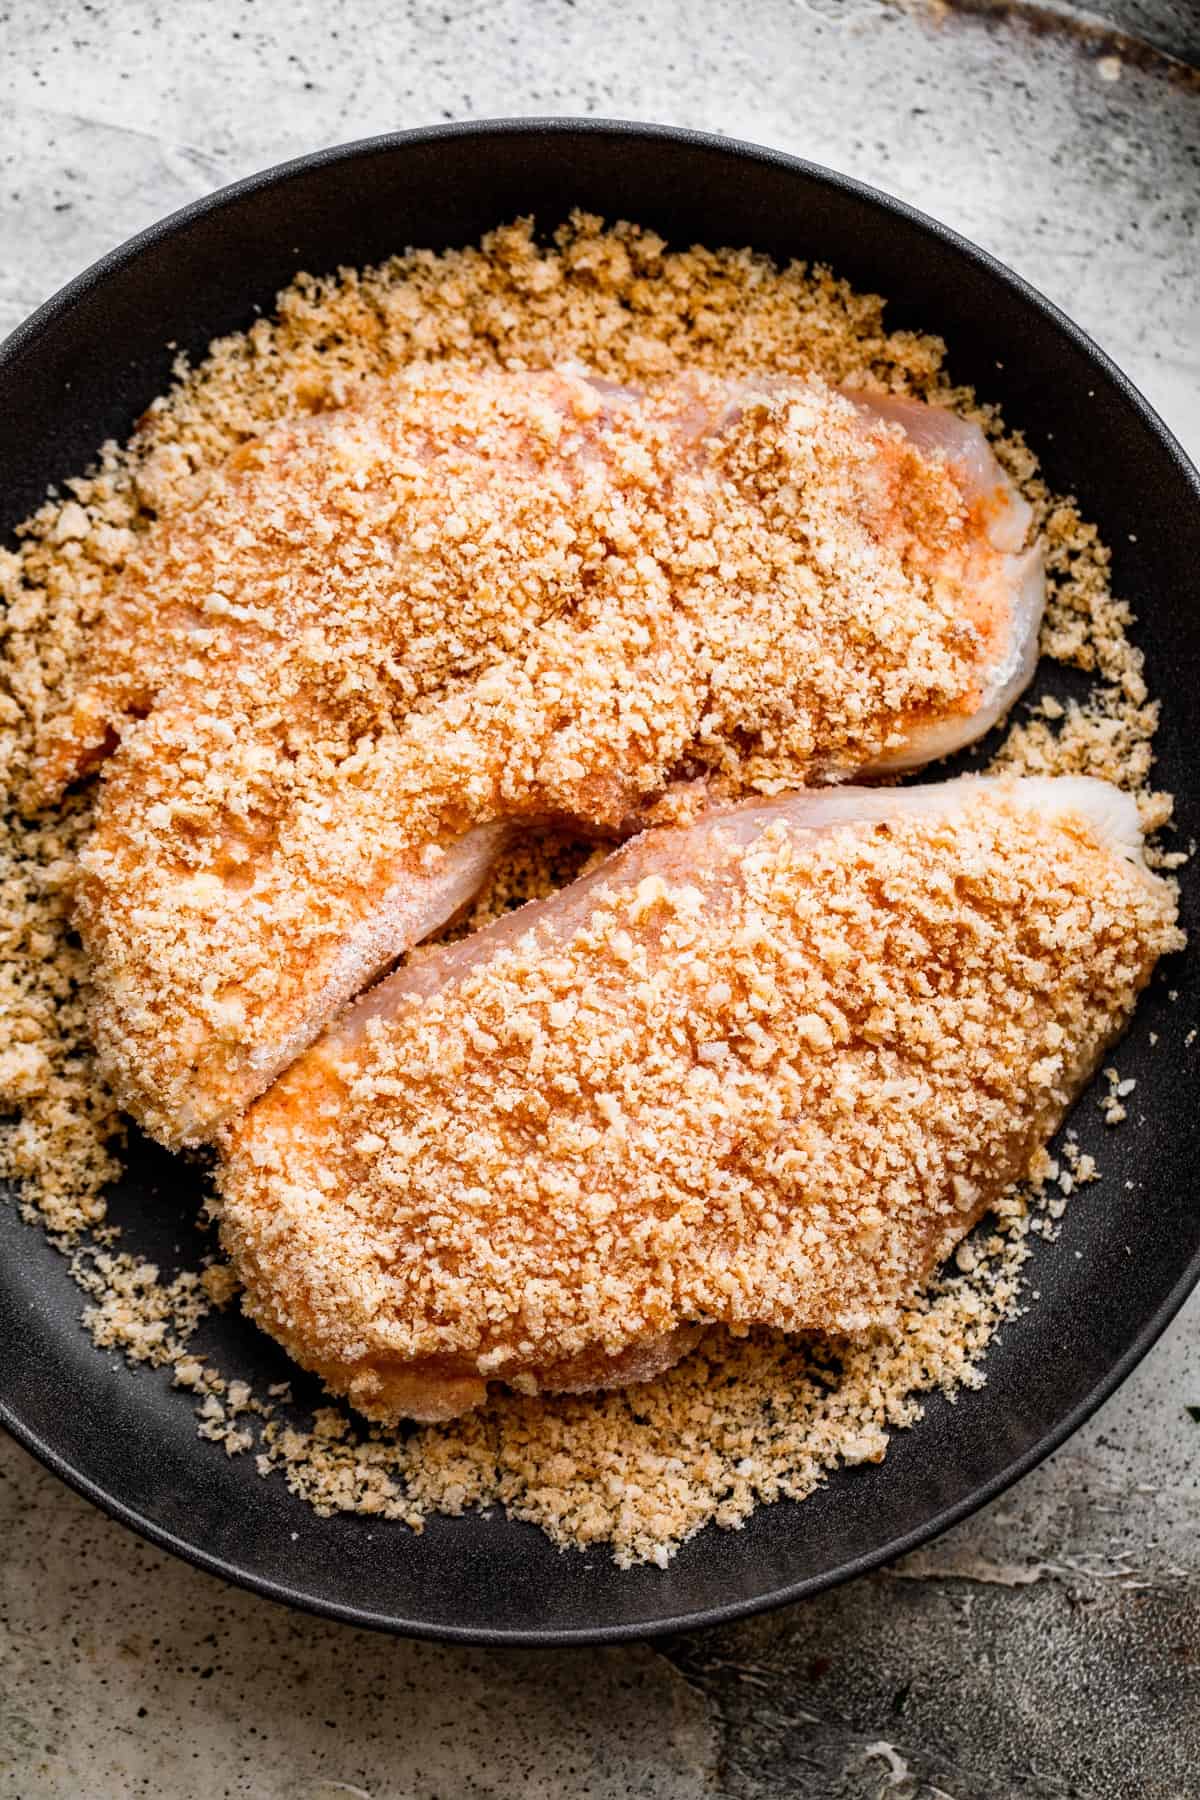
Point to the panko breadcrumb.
(741, 1420)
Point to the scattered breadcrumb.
(61, 1127)
(1111, 1108)
(742, 1420)
(133, 1311)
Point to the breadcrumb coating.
(755, 1072)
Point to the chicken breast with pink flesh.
(468, 600)
(1006, 583)
(763, 1070)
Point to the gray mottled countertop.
(1051, 1646)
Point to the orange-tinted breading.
(473, 598)
(763, 1070)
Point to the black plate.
(85, 366)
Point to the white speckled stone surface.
(1050, 1647)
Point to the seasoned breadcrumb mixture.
(62, 1127)
(742, 1419)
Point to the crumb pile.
(61, 1124)
(742, 1419)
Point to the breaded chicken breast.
(385, 634)
(763, 1070)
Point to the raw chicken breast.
(1005, 589)
(763, 1070)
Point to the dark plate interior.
(84, 368)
